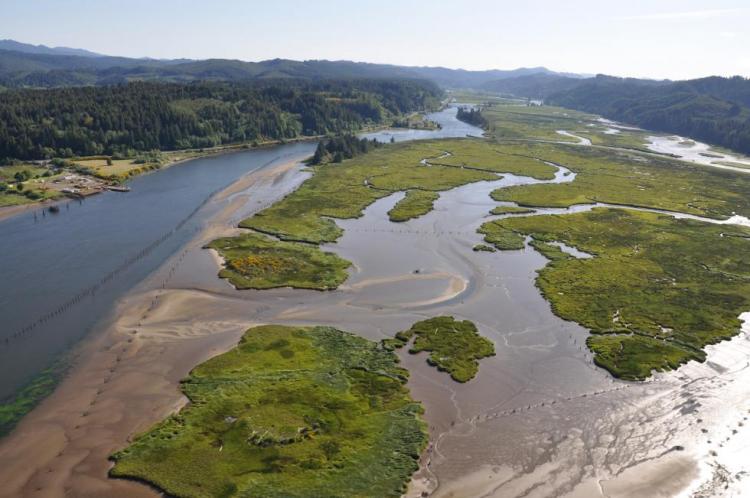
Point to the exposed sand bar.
(128, 373)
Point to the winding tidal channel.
(539, 420)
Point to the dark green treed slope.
(291, 412)
(122, 119)
(471, 116)
(715, 110)
(535, 86)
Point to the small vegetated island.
(290, 412)
(454, 346)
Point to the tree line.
(473, 116)
(122, 120)
(336, 149)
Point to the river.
(63, 272)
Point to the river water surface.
(62, 273)
(75, 264)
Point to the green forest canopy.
(123, 119)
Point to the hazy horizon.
(666, 39)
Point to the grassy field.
(454, 346)
(657, 291)
(33, 188)
(118, 170)
(534, 122)
(256, 261)
(7, 173)
(291, 412)
(485, 155)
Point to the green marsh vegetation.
(483, 248)
(343, 190)
(630, 179)
(656, 291)
(21, 403)
(415, 204)
(626, 139)
(455, 346)
(256, 261)
(486, 155)
(508, 122)
(290, 412)
(497, 210)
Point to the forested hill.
(715, 110)
(123, 119)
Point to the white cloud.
(692, 14)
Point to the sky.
(639, 38)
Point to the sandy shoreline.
(126, 377)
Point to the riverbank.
(151, 340)
(176, 157)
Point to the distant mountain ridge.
(44, 49)
(25, 65)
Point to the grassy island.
(483, 248)
(290, 412)
(256, 261)
(510, 210)
(413, 205)
(455, 346)
(657, 290)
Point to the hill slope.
(713, 109)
